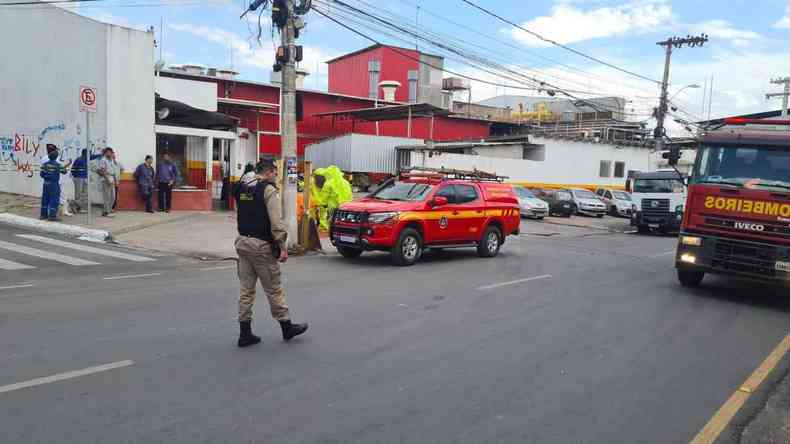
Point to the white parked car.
(531, 206)
(588, 202)
(619, 202)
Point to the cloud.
(247, 52)
(569, 24)
(722, 29)
(784, 22)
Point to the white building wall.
(201, 95)
(130, 95)
(566, 163)
(53, 53)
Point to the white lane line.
(518, 281)
(666, 253)
(9, 265)
(64, 376)
(131, 276)
(45, 254)
(226, 267)
(87, 249)
(11, 287)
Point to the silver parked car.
(588, 202)
(619, 202)
(531, 206)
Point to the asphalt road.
(569, 336)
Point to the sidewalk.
(123, 222)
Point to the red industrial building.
(257, 105)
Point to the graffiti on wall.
(21, 151)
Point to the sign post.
(88, 105)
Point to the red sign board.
(88, 99)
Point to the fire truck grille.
(655, 207)
(745, 258)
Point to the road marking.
(64, 376)
(727, 411)
(11, 287)
(45, 254)
(666, 253)
(519, 281)
(9, 265)
(131, 276)
(226, 267)
(87, 249)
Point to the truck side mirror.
(438, 201)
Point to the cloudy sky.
(749, 43)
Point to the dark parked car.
(560, 201)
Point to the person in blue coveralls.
(50, 196)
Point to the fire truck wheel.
(408, 249)
(350, 253)
(690, 278)
(490, 242)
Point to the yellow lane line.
(727, 411)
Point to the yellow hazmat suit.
(335, 191)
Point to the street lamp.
(692, 86)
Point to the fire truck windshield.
(658, 186)
(749, 167)
(403, 191)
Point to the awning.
(172, 113)
(394, 112)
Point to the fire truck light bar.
(745, 121)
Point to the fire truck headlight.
(694, 241)
(383, 218)
(688, 258)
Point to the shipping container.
(358, 153)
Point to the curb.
(82, 233)
(589, 227)
(144, 225)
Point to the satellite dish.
(163, 113)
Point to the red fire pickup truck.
(737, 213)
(428, 209)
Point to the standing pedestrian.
(51, 171)
(117, 172)
(144, 175)
(261, 248)
(79, 175)
(106, 171)
(167, 175)
(63, 201)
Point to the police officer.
(50, 196)
(261, 247)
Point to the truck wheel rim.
(493, 241)
(410, 248)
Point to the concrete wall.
(53, 53)
(201, 95)
(566, 163)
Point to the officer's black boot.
(246, 338)
(291, 330)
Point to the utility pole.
(288, 121)
(661, 112)
(784, 95)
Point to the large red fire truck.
(737, 213)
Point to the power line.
(488, 50)
(547, 40)
(45, 2)
(596, 106)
